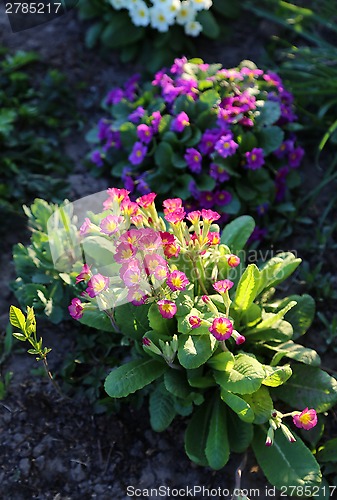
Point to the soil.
(58, 448)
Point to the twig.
(238, 475)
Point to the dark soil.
(54, 448)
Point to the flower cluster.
(306, 419)
(150, 258)
(216, 137)
(161, 14)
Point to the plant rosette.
(218, 138)
(208, 340)
(165, 27)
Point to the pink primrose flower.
(221, 328)
(76, 309)
(307, 419)
(209, 216)
(194, 321)
(111, 224)
(146, 200)
(177, 280)
(96, 285)
(167, 308)
(223, 286)
(84, 274)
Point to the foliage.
(39, 284)
(134, 34)
(32, 111)
(216, 137)
(205, 337)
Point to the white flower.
(140, 14)
(174, 6)
(118, 4)
(162, 3)
(160, 19)
(201, 4)
(186, 13)
(193, 28)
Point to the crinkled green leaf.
(309, 387)
(286, 464)
(245, 377)
(133, 376)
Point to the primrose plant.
(207, 338)
(218, 138)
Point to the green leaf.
(132, 321)
(270, 320)
(245, 377)
(196, 435)
(294, 351)
(210, 97)
(20, 336)
(309, 387)
(163, 155)
(241, 433)
(210, 27)
(17, 318)
(161, 408)
(133, 376)
(160, 324)
(261, 404)
(194, 351)
(238, 405)
(286, 464)
(237, 232)
(247, 288)
(224, 361)
(98, 320)
(271, 139)
(328, 452)
(176, 383)
(7, 117)
(301, 316)
(277, 375)
(270, 112)
(277, 270)
(217, 445)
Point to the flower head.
(209, 216)
(177, 280)
(167, 308)
(111, 224)
(172, 204)
(306, 419)
(176, 217)
(97, 284)
(233, 260)
(180, 122)
(255, 158)
(76, 309)
(221, 328)
(223, 286)
(193, 159)
(194, 321)
(144, 133)
(146, 200)
(84, 274)
(226, 146)
(138, 153)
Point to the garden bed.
(58, 448)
